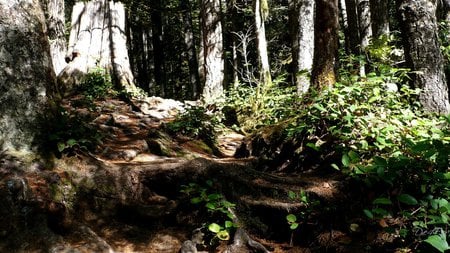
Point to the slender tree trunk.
(344, 23)
(352, 32)
(137, 48)
(380, 17)
(54, 10)
(194, 79)
(365, 30)
(422, 53)
(261, 10)
(97, 39)
(212, 42)
(302, 22)
(158, 47)
(325, 43)
(27, 78)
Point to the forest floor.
(126, 195)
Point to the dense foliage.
(372, 129)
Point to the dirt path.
(126, 196)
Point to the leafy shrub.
(262, 105)
(216, 205)
(66, 133)
(387, 142)
(97, 84)
(195, 123)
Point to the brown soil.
(125, 196)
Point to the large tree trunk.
(26, 72)
(325, 43)
(97, 39)
(352, 32)
(302, 22)
(261, 10)
(365, 30)
(212, 42)
(422, 53)
(380, 17)
(54, 10)
(194, 79)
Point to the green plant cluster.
(196, 123)
(65, 133)
(97, 84)
(388, 143)
(262, 105)
(216, 205)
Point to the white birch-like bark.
(365, 30)
(54, 10)
(97, 40)
(303, 42)
(260, 30)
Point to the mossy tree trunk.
(325, 43)
(261, 11)
(27, 78)
(302, 24)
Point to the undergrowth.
(378, 134)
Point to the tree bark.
(302, 22)
(54, 11)
(26, 73)
(365, 31)
(158, 47)
(422, 53)
(97, 39)
(260, 10)
(325, 43)
(380, 17)
(194, 79)
(352, 32)
(212, 42)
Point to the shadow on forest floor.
(126, 195)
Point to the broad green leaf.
(313, 146)
(439, 242)
(229, 224)
(61, 146)
(382, 201)
(292, 195)
(407, 199)
(214, 196)
(223, 235)
(345, 160)
(368, 213)
(71, 142)
(196, 200)
(293, 226)
(353, 156)
(291, 218)
(210, 206)
(380, 161)
(335, 166)
(214, 227)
